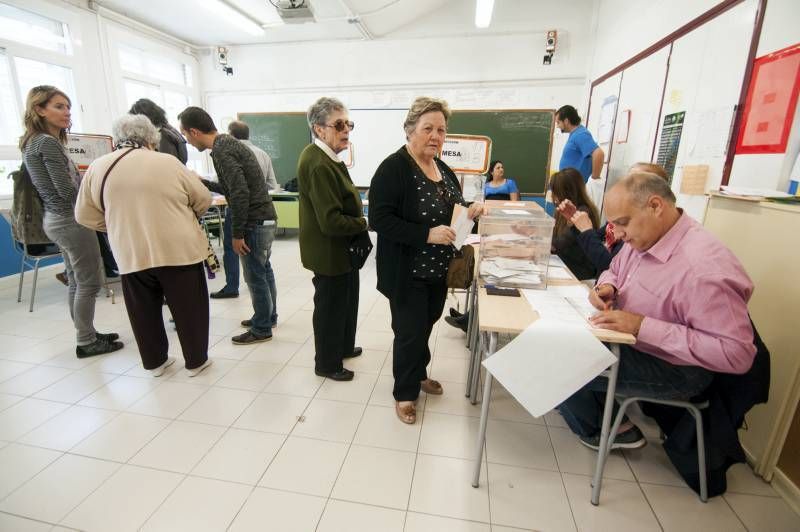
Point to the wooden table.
(512, 315)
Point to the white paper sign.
(547, 363)
(467, 154)
(83, 149)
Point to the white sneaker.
(159, 371)
(196, 371)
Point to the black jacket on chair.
(730, 397)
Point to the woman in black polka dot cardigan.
(411, 201)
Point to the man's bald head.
(642, 208)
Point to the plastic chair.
(32, 260)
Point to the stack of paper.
(568, 304)
(503, 270)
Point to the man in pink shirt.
(680, 291)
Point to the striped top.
(53, 174)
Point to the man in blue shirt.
(581, 151)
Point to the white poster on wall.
(467, 154)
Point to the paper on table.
(555, 260)
(515, 212)
(461, 224)
(547, 363)
(554, 272)
(554, 306)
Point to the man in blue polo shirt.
(581, 151)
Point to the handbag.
(461, 270)
(359, 249)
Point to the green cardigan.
(330, 212)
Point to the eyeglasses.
(339, 125)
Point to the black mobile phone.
(495, 291)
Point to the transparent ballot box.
(515, 248)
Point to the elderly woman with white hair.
(149, 202)
(330, 216)
(411, 201)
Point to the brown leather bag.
(461, 270)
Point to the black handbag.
(359, 248)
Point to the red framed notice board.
(771, 102)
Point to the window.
(10, 117)
(6, 167)
(139, 62)
(29, 28)
(31, 73)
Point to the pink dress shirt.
(693, 293)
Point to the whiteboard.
(378, 133)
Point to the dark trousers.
(639, 374)
(413, 318)
(230, 260)
(335, 317)
(187, 297)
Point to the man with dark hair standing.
(581, 151)
(252, 214)
(241, 131)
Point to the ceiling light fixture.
(483, 13)
(228, 13)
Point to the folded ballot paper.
(547, 363)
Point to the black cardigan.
(394, 215)
(566, 246)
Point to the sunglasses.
(339, 125)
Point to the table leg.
(477, 357)
(467, 306)
(487, 392)
(606, 439)
(473, 339)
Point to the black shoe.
(341, 375)
(112, 274)
(458, 323)
(250, 338)
(630, 439)
(223, 294)
(101, 346)
(356, 353)
(111, 337)
(454, 313)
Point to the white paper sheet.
(554, 272)
(461, 224)
(514, 204)
(515, 212)
(547, 363)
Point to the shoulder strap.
(103, 184)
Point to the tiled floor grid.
(258, 442)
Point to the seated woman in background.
(600, 245)
(136, 187)
(497, 186)
(568, 185)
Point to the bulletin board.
(771, 102)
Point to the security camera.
(550, 41)
(222, 55)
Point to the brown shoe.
(406, 412)
(432, 387)
(62, 278)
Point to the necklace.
(436, 171)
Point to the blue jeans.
(230, 260)
(639, 374)
(255, 266)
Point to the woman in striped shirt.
(55, 177)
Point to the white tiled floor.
(258, 442)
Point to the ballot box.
(515, 248)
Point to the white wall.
(476, 72)
(626, 27)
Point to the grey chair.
(32, 260)
(695, 408)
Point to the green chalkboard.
(522, 139)
(283, 136)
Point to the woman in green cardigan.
(330, 215)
